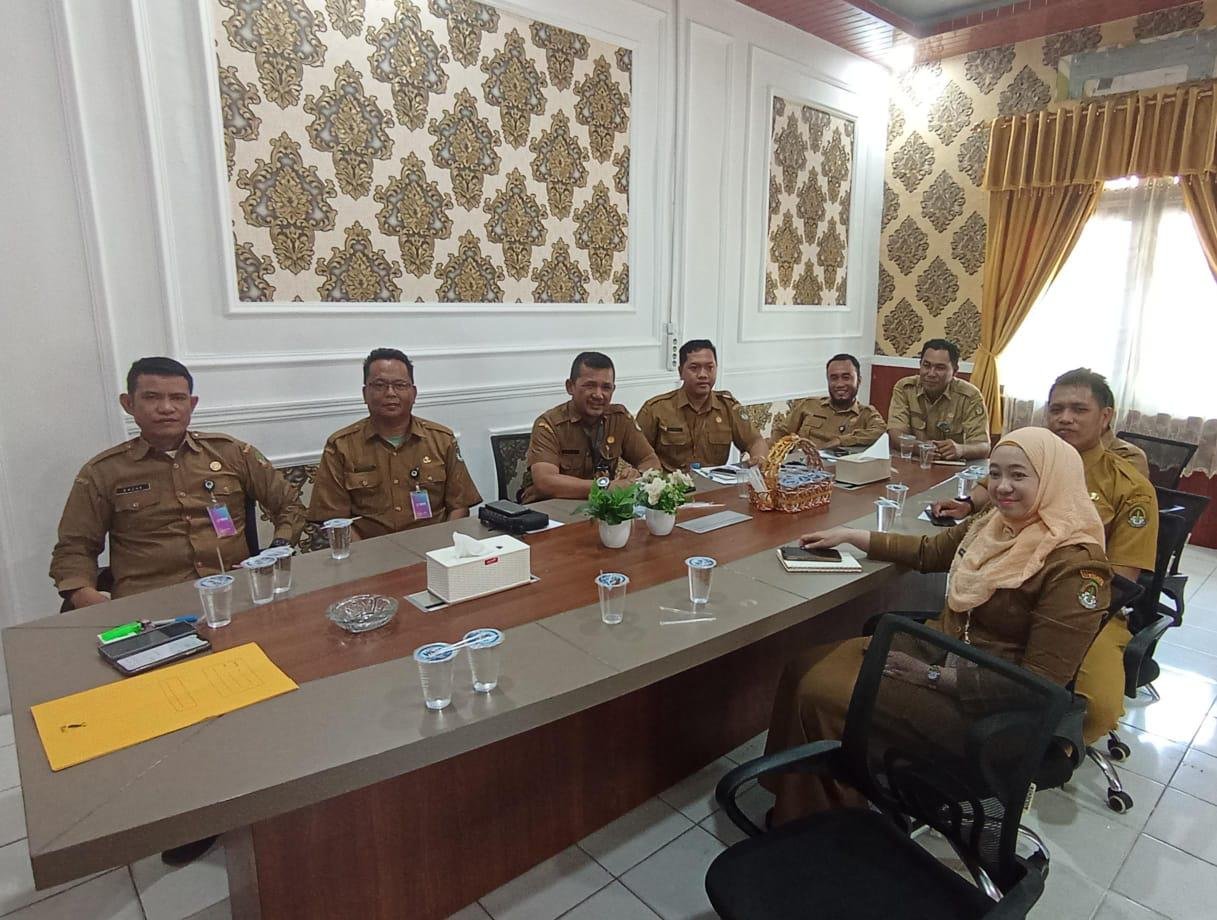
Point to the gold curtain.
(1031, 233)
(1200, 195)
(1044, 174)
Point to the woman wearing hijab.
(1028, 582)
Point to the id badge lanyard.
(420, 501)
(221, 519)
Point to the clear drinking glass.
(741, 482)
(906, 442)
(967, 481)
(612, 587)
(485, 648)
(435, 663)
(339, 532)
(897, 492)
(261, 571)
(701, 568)
(885, 514)
(215, 594)
(283, 567)
(925, 454)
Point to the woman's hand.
(914, 671)
(834, 536)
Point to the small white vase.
(615, 536)
(660, 523)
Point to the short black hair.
(1092, 380)
(386, 354)
(696, 345)
(158, 367)
(592, 360)
(844, 357)
(942, 345)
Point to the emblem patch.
(215, 466)
(1088, 597)
(610, 440)
(1136, 517)
(1091, 575)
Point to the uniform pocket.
(670, 437)
(136, 501)
(369, 480)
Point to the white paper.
(879, 449)
(466, 547)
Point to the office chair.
(509, 451)
(1189, 507)
(964, 769)
(1167, 458)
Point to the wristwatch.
(968, 499)
(603, 482)
(933, 675)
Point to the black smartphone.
(511, 509)
(153, 647)
(940, 520)
(803, 554)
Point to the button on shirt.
(154, 509)
(363, 475)
(682, 435)
(957, 414)
(816, 419)
(559, 437)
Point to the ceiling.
(943, 28)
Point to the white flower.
(654, 490)
(682, 479)
(651, 476)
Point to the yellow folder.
(85, 725)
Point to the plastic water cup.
(612, 587)
(885, 514)
(215, 594)
(339, 532)
(925, 455)
(261, 571)
(435, 665)
(897, 492)
(742, 477)
(906, 442)
(967, 480)
(283, 567)
(485, 649)
(701, 569)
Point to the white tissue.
(465, 547)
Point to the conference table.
(349, 798)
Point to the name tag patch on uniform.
(1088, 597)
(420, 504)
(221, 521)
(134, 487)
(1136, 517)
(571, 451)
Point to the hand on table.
(947, 450)
(86, 597)
(834, 536)
(951, 507)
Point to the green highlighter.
(120, 632)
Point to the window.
(1135, 301)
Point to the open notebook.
(847, 564)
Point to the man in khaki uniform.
(1080, 406)
(171, 501)
(837, 420)
(696, 423)
(938, 407)
(392, 470)
(584, 440)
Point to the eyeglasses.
(383, 386)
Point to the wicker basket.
(813, 496)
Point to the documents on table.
(714, 521)
(85, 725)
(723, 475)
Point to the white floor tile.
(6, 729)
(1168, 880)
(1088, 789)
(17, 879)
(1206, 738)
(1186, 699)
(693, 796)
(754, 803)
(107, 897)
(1197, 775)
(1118, 907)
(1197, 615)
(672, 882)
(1207, 595)
(10, 776)
(634, 836)
(1186, 660)
(220, 911)
(1067, 895)
(474, 911)
(1092, 845)
(12, 816)
(548, 890)
(169, 893)
(1193, 636)
(1152, 755)
(1187, 823)
(750, 749)
(613, 902)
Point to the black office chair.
(509, 451)
(963, 769)
(1167, 458)
(1189, 507)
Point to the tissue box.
(858, 471)
(453, 579)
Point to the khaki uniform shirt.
(558, 437)
(683, 436)
(1127, 505)
(154, 507)
(817, 420)
(1046, 624)
(958, 414)
(1130, 452)
(363, 475)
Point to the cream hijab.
(996, 553)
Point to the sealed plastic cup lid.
(215, 582)
(435, 652)
(338, 522)
(611, 580)
(483, 638)
(887, 503)
(700, 562)
(278, 552)
(258, 562)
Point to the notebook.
(714, 521)
(847, 564)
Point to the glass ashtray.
(363, 612)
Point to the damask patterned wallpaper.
(422, 150)
(935, 214)
(811, 155)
